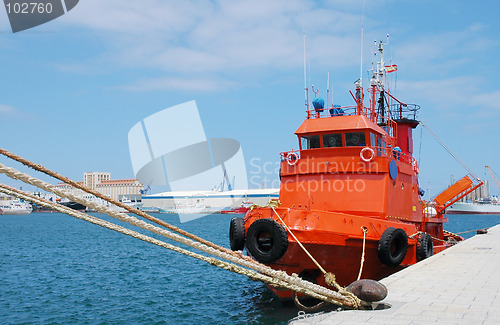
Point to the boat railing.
(331, 112)
(394, 112)
(293, 156)
(404, 111)
(402, 156)
(344, 111)
(429, 210)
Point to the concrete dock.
(458, 286)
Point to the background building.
(102, 183)
(122, 188)
(91, 179)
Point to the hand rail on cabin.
(402, 156)
(395, 112)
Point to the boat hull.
(335, 241)
(14, 212)
(15, 207)
(74, 206)
(343, 261)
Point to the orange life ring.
(292, 158)
(362, 154)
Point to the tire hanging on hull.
(392, 246)
(266, 241)
(425, 247)
(237, 234)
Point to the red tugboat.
(350, 190)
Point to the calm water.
(59, 270)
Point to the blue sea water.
(55, 269)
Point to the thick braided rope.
(133, 210)
(221, 264)
(349, 301)
(329, 277)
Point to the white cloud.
(137, 17)
(7, 110)
(178, 83)
(11, 111)
(454, 97)
(229, 40)
(223, 38)
(445, 53)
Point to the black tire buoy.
(237, 234)
(392, 246)
(425, 248)
(266, 240)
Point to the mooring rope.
(365, 231)
(450, 152)
(213, 261)
(465, 232)
(451, 242)
(298, 242)
(329, 277)
(279, 275)
(133, 210)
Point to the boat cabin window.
(310, 142)
(381, 146)
(332, 140)
(355, 139)
(373, 139)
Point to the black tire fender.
(392, 246)
(425, 247)
(237, 234)
(266, 241)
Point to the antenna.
(327, 89)
(305, 64)
(362, 33)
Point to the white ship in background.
(15, 207)
(478, 202)
(485, 206)
(207, 201)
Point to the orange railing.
(402, 156)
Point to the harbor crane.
(493, 176)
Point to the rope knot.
(330, 279)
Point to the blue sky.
(72, 88)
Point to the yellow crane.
(493, 176)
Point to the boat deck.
(458, 286)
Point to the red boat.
(245, 206)
(239, 210)
(350, 190)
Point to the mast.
(305, 76)
(377, 83)
(359, 83)
(328, 90)
(362, 34)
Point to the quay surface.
(460, 285)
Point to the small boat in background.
(15, 207)
(245, 206)
(73, 205)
